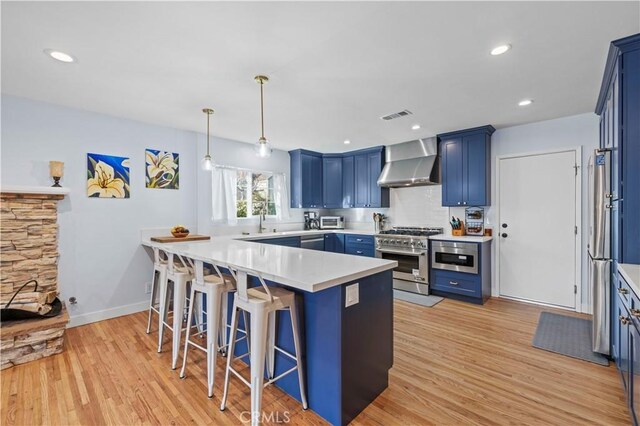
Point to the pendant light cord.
(208, 119)
(262, 108)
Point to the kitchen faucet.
(263, 217)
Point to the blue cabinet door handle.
(453, 283)
(359, 251)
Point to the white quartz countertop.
(464, 238)
(307, 270)
(631, 274)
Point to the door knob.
(504, 235)
(504, 225)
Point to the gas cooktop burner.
(413, 231)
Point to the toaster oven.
(331, 222)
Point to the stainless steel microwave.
(455, 256)
(331, 222)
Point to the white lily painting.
(162, 169)
(107, 176)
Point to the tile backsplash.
(418, 206)
(412, 206)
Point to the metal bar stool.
(178, 276)
(260, 303)
(158, 285)
(215, 287)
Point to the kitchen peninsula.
(346, 310)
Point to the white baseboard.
(78, 320)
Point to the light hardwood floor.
(455, 364)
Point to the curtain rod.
(244, 169)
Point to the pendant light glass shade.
(207, 162)
(262, 147)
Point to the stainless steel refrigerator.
(599, 247)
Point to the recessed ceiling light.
(499, 50)
(347, 142)
(415, 127)
(60, 56)
(525, 102)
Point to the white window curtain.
(281, 196)
(224, 195)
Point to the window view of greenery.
(255, 193)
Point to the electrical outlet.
(352, 295)
(147, 288)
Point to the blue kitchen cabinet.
(359, 245)
(337, 180)
(466, 167)
(451, 153)
(619, 108)
(348, 181)
(334, 243)
(332, 181)
(361, 168)
(306, 179)
(468, 287)
(634, 371)
(368, 165)
(626, 342)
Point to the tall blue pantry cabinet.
(619, 110)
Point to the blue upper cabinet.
(332, 181)
(619, 108)
(306, 179)
(337, 180)
(368, 165)
(451, 153)
(348, 181)
(466, 167)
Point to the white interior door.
(537, 248)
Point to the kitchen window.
(255, 193)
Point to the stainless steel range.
(409, 246)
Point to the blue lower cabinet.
(334, 243)
(468, 287)
(359, 245)
(457, 282)
(626, 341)
(282, 241)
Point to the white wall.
(567, 132)
(101, 261)
(238, 154)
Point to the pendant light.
(207, 163)
(262, 147)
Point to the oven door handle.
(422, 253)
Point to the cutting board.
(172, 239)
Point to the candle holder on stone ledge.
(55, 171)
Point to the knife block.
(458, 232)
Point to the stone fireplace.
(29, 250)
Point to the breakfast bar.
(346, 312)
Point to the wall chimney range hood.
(413, 163)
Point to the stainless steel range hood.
(413, 163)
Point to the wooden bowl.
(179, 234)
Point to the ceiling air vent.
(396, 115)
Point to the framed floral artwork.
(162, 169)
(107, 176)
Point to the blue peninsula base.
(347, 351)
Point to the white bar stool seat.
(215, 287)
(262, 303)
